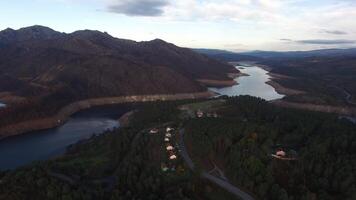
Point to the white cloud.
(260, 21)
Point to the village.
(170, 144)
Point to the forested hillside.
(127, 163)
(326, 80)
(321, 147)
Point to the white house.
(170, 148)
(173, 157)
(154, 131)
(281, 153)
(200, 114)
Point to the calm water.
(42, 145)
(2, 105)
(253, 85)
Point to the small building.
(169, 129)
(168, 135)
(173, 157)
(200, 114)
(154, 131)
(170, 148)
(166, 139)
(281, 153)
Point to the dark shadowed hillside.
(45, 68)
(326, 80)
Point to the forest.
(126, 163)
(250, 130)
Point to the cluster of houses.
(170, 149)
(201, 114)
(167, 139)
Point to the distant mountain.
(227, 56)
(302, 54)
(42, 70)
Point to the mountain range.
(42, 70)
(38, 60)
(263, 55)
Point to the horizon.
(203, 48)
(233, 25)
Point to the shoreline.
(124, 120)
(217, 83)
(341, 110)
(62, 116)
(222, 83)
(283, 90)
(278, 87)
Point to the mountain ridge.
(48, 70)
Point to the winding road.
(220, 182)
(348, 96)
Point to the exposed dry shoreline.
(217, 83)
(342, 110)
(222, 83)
(281, 89)
(67, 111)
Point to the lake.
(253, 85)
(41, 145)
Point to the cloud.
(286, 40)
(139, 7)
(326, 42)
(334, 32)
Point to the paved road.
(348, 96)
(222, 183)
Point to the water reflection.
(41, 145)
(253, 85)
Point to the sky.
(236, 25)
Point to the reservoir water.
(41, 145)
(254, 84)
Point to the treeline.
(251, 130)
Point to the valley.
(178, 100)
(85, 115)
